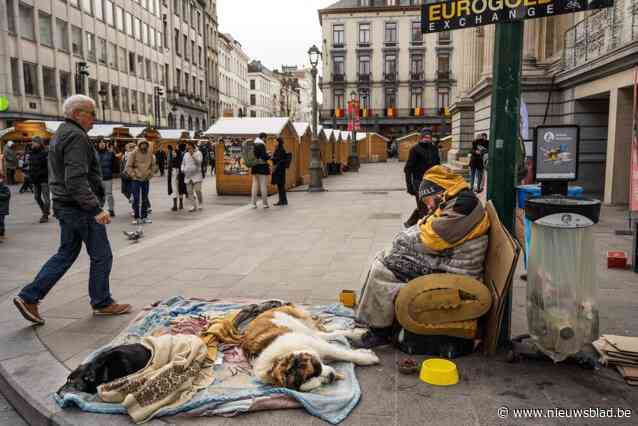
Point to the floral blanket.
(235, 390)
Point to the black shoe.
(44, 218)
(279, 204)
(371, 340)
(181, 204)
(111, 213)
(174, 205)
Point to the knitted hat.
(444, 178)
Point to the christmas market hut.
(21, 135)
(406, 143)
(302, 158)
(229, 133)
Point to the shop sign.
(556, 153)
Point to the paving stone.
(11, 418)
(65, 344)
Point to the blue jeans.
(76, 227)
(476, 179)
(139, 190)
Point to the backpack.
(248, 154)
(288, 160)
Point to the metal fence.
(601, 33)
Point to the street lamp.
(158, 94)
(353, 160)
(316, 184)
(80, 72)
(103, 94)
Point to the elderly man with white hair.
(75, 180)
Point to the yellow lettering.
(475, 8)
(448, 10)
(463, 7)
(496, 5)
(435, 12)
(531, 2)
(545, 1)
(513, 4)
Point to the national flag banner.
(350, 116)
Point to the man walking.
(75, 183)
(423, 156)
(480, 147)
(10, 159)
(139, 168)
(160, 159)
(39, 174)
(107, 165)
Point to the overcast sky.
(276, 31)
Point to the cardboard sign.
(457, 14)
(556, 153)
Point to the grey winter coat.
(10, 158)
(75, 175)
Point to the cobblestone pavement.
(306, 252)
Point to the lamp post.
(316, 184)
(103, 94)
(353, 160)
(158, 94)
(80, 72)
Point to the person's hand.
(104, 218)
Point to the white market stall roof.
(104, 130)
(136, 131)
(248, 126)
(301, 128)
(409, 135)
(172, 133)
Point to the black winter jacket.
(279, 173)
(75, 177)
(38, 166)
(5, 196)
(423, 156)
(261, 154)
(107, 164)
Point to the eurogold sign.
(458, 14)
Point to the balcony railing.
(600, 33)
(364, 78)
(339, 78)
(390, 76)
(443, 75)
(416, 76)
(398, 113)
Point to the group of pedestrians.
(261, 170)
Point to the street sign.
(556, 153)
(457, 14)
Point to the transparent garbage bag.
(562, 291)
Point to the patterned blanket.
(235, 390)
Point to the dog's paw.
(357, 334)
(366, 357)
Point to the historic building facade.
(263, 91)
(212, 72)
(233, 77)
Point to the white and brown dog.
(289, 349)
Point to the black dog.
(111, 365)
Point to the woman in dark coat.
(280, 160)
(5, 197)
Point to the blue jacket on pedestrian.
(107, 164)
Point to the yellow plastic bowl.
(439, 372)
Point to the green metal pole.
(504, 130)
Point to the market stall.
(302, 157)
(372, 147)
(233, 177)
(22, 135)
(406, 143)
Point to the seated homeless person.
(452, 238)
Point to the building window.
(76, 41)
(138, 29)
(46, 29)
(364, 65)
(190, 122)
(62, 35)
(444, 67)
(182, 122)
(187, 81)
(48, 81)
(112, 56)
(30, 78)
(364, 99)
(125, 100)
(176, 7)
(416, 98)
(65, 84)
(99, 9)
(252, 84)
(149, 70)
(115, 97)
(201, 56)
(131, 62)
(15, 76)
(390, 66)
(416, 67)
(121, 59)
(443, 98)
(176, 43)
(417, 35)
(185, 10)
(339, 65)
(149, 99)
(145, 33)
(119, 18)
(390, 32)
(185, 47)
(87, 6)
(193, 52)
(104, 100)
(142, 103)
(133, 101)
(178, 79)
(156, 72)
(364, 34)
(11, 22)
(108, 12)
(26, 22)
(90, 46)
(390, 97)
(140, 66)
(103, 52)
(338, 35)
(158, 38)
(339, 99)
(129, 24)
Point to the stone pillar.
(488, 50)
(476, 56)
(530, 41)
(462, 113)
(618, 147)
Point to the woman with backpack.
(281, 160)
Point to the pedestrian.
(139, 168)
(160, 159)
(176, 184)
(212, 158)
(107, 165)
(281, 162)
(191, 168)
(5, 198)
(24, 165)
(75, 182)
(480, 146)
(10, 160)
(260, 172)
(39, 175)
(204, 149)
(422, 157)
(124, 177)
